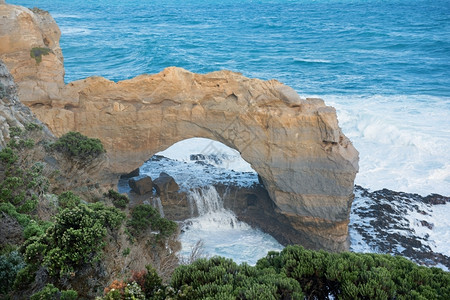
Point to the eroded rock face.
(39, 78)
(306, 163)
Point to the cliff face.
(29, 46)
(306, 163)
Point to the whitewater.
(384, 65)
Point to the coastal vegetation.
(78, 147)
(37, 53)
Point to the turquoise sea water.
(385, 65)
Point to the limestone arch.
(296, 146)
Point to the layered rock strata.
(306, 163)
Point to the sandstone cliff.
(306, 163)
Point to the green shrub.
(77, 146)
(7, 156)
(117, 199)
(144, 217)
(68, 200)
(47, 293)
(222, 278)
(69, 295)
(24, 277)
(37, 53)
(75, 238)
(15, 131)
(33, 127)
(10, 264)
(358, 275)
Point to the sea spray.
(221, 232)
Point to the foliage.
(225, 279)
(3, 91)
(68, 200)
(10, 264)
(8, 156)
(75, 238)
(48, 292)
(52, 292)
(25, 276)
(118, 200)
(144, 216)
(357, 275)
(37, 53)
(79, 147)
(21, 186)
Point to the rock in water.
(306, 163)
(165, 184)
(133, 173)
(141, 186)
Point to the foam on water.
(403, 144)
(221, 232)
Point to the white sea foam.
(66, 30)
(65, 16)
(221, 232)
(312, 60)
(230, 158)
(403, 141)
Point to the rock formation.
(141, 186)
(306, 163)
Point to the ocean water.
(384, 65)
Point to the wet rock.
(133, 173)
(141, 186)
(165, 184)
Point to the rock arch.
(306, 163)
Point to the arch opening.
(213, 180)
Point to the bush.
(7, 156)
(47, 293)
(10, 265)
(50, 292)
(37, 53)
(118, 200)
(68, 200)
(77, 146)
(75, 238)
(221, 278)
(358, 275)
(144, 217)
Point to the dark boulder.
(165, 184)
(133, 173)
(142, 185)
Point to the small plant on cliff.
(118, 200)
(78, 146)
(68, 200)
(37, 53)
(144, 217)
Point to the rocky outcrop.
(165, 184)
(141, 186)
(29, 46)
(306, 163)
(12, 112)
